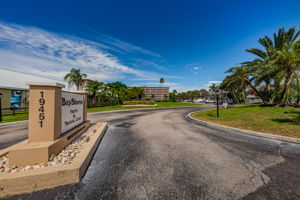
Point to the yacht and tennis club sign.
(71, 111)
(56, 118)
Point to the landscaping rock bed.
(63, 158)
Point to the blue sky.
(189, 43)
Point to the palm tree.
(93, 88)
(288, 62)
(74, 77)
(239, 78)
(213, 88)
(296, 88)
(162, 80)
(279, 60)
(233, 87)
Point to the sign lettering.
(72, 111)
(41, 109)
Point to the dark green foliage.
(273, 74)
(101, 94)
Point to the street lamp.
(217, 95)
(0, 107)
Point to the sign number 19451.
(41, 109)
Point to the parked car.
(210, 101)
(199, 100)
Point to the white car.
(199, 100)
(210, 101)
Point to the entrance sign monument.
(55, 119)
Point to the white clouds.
(150, 63)
(206, 86)
(47, 54)
(194, 68)
(214, 82)
(122, 46)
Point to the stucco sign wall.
(71, 111)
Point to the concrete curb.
(9, 124)
(49, 177)
(248, 132)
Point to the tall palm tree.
(162, 80)
(286, 60)
(75, 77)
(280, 59)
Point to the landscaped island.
(24, 116)
(158, 105)
(275, 120)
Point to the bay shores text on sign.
(72, 110)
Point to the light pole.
(0, 107)
(217, 95)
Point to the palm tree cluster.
(102, 94)
(273, 76)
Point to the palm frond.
(257, 52)
(266, 42)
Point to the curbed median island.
(158, 105)
(60, 145)
(273, 120)
(66, 156)
(65, 168)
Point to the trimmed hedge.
(138, 102)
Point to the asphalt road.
(160, 154)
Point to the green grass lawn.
(275, 120)
(19, 117)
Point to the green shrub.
(166, 100)
(138, 102)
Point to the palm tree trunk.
(255, 90)
(236, 100)
(94, 99)
(287, 83)
(298, 95)
(268, 85)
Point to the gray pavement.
(160, 154)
